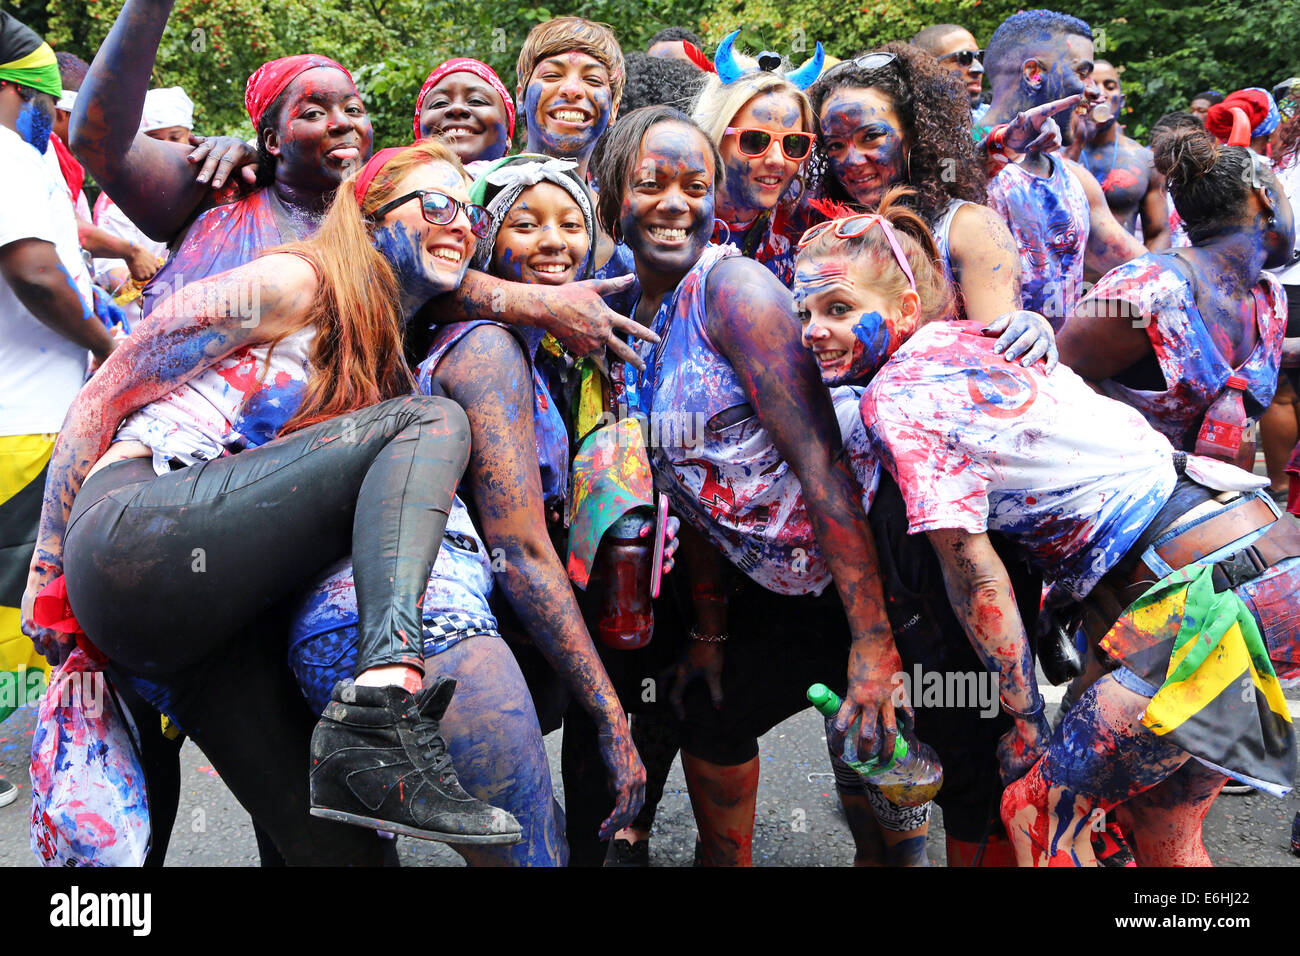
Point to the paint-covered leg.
(496, 746)
(1163, 824)
(869, 845)
(874, 843)
(723, 799)
(1099, 757)
(1048, 826)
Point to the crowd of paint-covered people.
(640, 396)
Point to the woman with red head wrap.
(1260, 112)
(465, 101)
(312, 129)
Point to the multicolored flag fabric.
(1218, 696)
(611, 476)
(23, 672)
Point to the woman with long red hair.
(255, 429)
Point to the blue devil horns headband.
(729, 70)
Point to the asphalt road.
(798, 823)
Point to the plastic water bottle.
(1224, 427)
(627, 619)
(912, 775)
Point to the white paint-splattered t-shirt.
(241, 402)
(977, 443)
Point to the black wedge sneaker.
(378, 760)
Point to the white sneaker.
(8, 792)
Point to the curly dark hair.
(669, 34)
(935, 112)
(1288, 142)
(652, 81)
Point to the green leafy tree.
(1167, 51)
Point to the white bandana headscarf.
(512, 180)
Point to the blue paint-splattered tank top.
(727, 477)
(1050, 220)
(548, 426)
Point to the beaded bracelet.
(695, 635)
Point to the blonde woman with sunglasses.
(762, 124)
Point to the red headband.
(270, 79)
(372, 168)
(465, 64)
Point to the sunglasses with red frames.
(851, 227)
(756, 142)
(440, 210)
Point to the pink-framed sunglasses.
(851, 227)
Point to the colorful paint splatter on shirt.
(1050, 220)
(548, 426)
(241, 402)
(1192, 353)
(977, 444)
(225, 237)
(726, 476)
(770, 241)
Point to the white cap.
(165, 108)
(67, 101)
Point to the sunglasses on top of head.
(859, 224)
(868, 61)
(964, 57)
(756, 142)
(440, 210)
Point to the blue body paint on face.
(509, 266)
(873, 333)
(863, 141)
(418, 279)
(671, 187)
(35, 126)
(465, 104)
(567, 142)
(744, 194)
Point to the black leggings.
(130, 554)
(163, 570)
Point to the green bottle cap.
(824, 699)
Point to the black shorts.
(962, 731)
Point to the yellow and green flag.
(23, 458)
(1218, 696)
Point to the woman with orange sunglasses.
(763, 126)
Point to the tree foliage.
(1167, 51)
